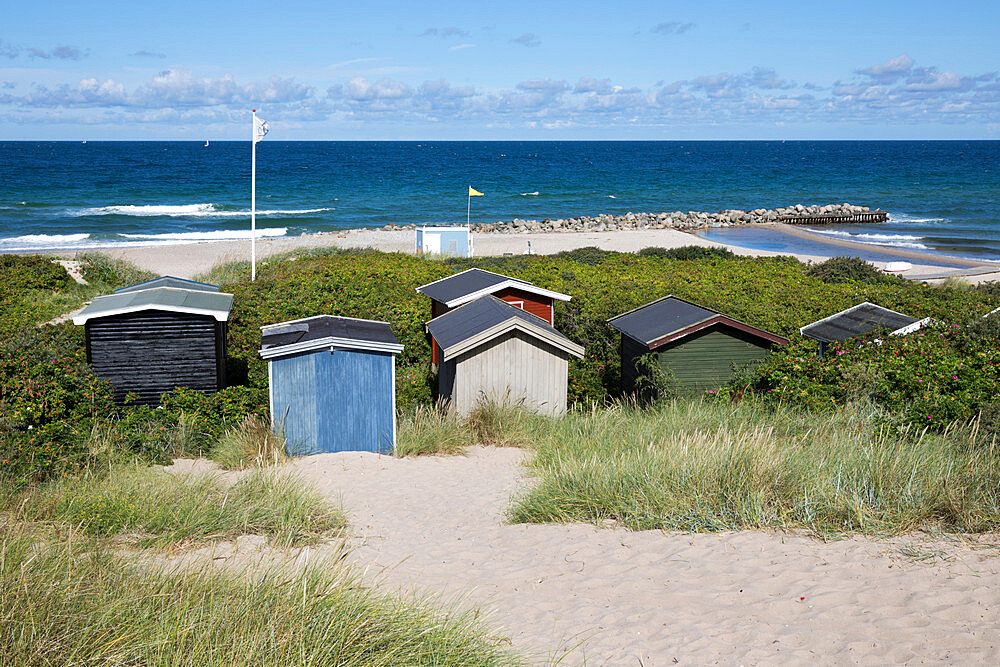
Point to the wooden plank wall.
(514, 367)
(706, 360)
(533, 303)
(152, 352)
(294, 396)
(356, 399)
(631, 350)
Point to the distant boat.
(206, 143)
(84, 141)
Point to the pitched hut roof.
(475, 283)
(170, 299)
(327, 331)
(856, 321)
(169, 281)
(669, 318)
(484, 319)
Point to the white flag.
(259, 129)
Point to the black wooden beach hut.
(698, 349)
(858, 320)
(150, 338)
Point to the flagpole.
(253, 195)
(468, 213)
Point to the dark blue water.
(943, 196)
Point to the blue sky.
(510, 70)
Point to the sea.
(943, 197)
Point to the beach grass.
(252, 443)
(427, 430)
(712, 466)
(72, 602)
(164, 509)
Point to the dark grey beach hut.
(697, 348)
(495, 351)
(332, 383)
(859, 320)
(150, 338)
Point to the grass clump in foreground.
(493, 424)
(252, 443)
(65, 604)
(164, 508)
(708, 466)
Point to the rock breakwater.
(797, 214)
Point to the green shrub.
(49, 397)
(847, 269)
(589, 255)
(688, 252)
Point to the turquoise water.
(942, 196)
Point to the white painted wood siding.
(513, 367)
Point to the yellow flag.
(474, 192)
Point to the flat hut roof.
(669, 318)
(169, 299)
(486, 318)
(327, 331)
(856, 321)
(472, 284)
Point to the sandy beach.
(190, 260)
(607, 596)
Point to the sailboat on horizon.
(206, 143)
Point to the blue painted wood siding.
(335, 401)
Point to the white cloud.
(889, 71)
(148, 54)
(460, 47)
(672, 28)
(528, 39)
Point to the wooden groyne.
(877, 215)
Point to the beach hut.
(439, 240)
(150, 338)
(493, 350)
(697, 348)
(332, 383)
(466, 286)
(857, 321)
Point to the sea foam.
(187, 211)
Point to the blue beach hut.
(332, 383)
(439, 240)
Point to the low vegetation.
(708, 466)
(72, 602)
(162, 508)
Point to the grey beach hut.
(491, 350)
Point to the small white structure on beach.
(441, 240)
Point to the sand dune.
(608, 596)
(190, 260)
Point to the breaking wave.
(187, 211)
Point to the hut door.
(432, 243)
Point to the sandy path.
(647, 598)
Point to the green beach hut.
(698, 349)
